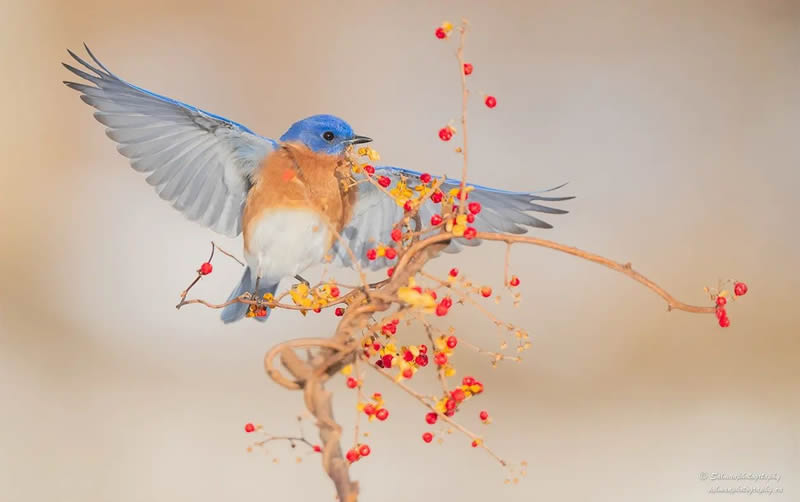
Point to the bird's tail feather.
(236, 311)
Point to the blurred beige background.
(676, 124)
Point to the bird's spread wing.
(375, 214)
(200, 162)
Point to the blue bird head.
(323, 134)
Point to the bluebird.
(285, 197)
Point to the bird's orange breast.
(294, 177)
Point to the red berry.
(440, 33)
(408, 373)
(379, 363)
(450, 404)
(384, 181)
(423, 349)
(445, 134)
(390, 271)
(206, 268)
(335, 291)
(352, 383)
(458, 395)
(467, 380)
(470, 218)
(261, 313)
(486, 291)
(514, 281)
(475, 443)
(470, 233)
(317, 448)
(724, 322)
(387, 360)
(452, 342)
(436, 220)
(317, 310)
(364, 450)
(369, 409)
(740, 289)
(408, 356)
(447, 302)
(467, 69)
(721, 301)
(382, 414)
(339, 311)
(441, 309)
(431, 418)
(407, 207)
(440, 358)
(427, 437)
(436, 197)
(425, 178)
(369, 169)
(372, 254)
(397, 235)
(421, 360)
(249, 427)
(491, 101)
(351, 456)
(453, 272)
(484, 415)
(474, 207)
(720, 312)
(390, 253)
(376, 346)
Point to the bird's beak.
(360, 139)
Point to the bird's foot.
(302, 280)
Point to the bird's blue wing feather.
(375, 214)
(198, 161)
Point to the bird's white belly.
(284, 242)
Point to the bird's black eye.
(327, 136)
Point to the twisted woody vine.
(374, 317)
